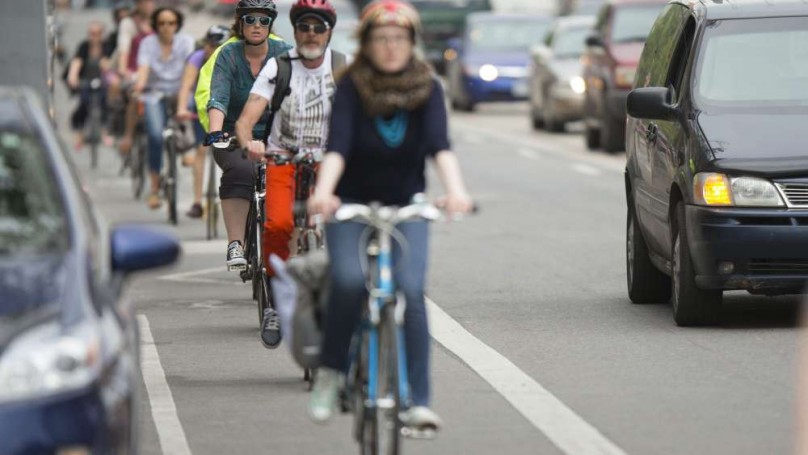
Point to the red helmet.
(389, 12)
(322, 8)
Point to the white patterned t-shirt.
(302, 121)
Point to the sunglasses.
(319, 29)
(161, 23)
(264, 21)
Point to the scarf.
(384, 94)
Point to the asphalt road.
(537, 350)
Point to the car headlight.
(624, 76)
(716, 189)
(45, 360)
(577, 84)
(488, 72)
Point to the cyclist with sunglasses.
(235, 71)
(299, 126)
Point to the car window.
(652, 69)
(681, 56)
(507, 35)
(632, 23)
(32, 217)
(754, 63)
(570, 42)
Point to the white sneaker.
(421, 418)
(324, 395)
(235, 256)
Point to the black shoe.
(195, 211)
(271, 329)
(235, 256)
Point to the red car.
(609, 64)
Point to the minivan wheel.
(592, 138)
(612, 133)
(646, 284)
(691, 306)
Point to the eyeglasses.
(263, 21)
(382, 40)
(161, 23)
(319, 29)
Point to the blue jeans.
(155, 121)
(348, 294)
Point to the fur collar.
(383, 94)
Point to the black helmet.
(264, 6)
(217, 35)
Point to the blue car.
(490, 61)
(69, 361)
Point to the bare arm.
(323, 201)
(73, 72)
(216, 119)
(250, 115)
(188, 79)
(457, 198)
(142, 78)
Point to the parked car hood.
(627, 54)
(767, 144)
(498, 58)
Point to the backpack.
(284, 77)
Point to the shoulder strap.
(338, 61)
(282, 90)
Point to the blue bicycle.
(377, 386)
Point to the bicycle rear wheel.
(138, 164)
(364, 418)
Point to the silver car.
(554, 74)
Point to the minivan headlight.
(714, 189)
(46, 361)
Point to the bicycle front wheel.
(138, 165)
(388, 426)
(211, 203)
(171, 182)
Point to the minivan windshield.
(633, 22)
(749, 63)
(571, 42)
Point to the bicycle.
(136, 159)
(255, 270)
(168, 172)
(377, 387)
(93, 126)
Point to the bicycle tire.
(364, 420)
(94, 135)
(171, 182)
(211, 204)
(388, 403)
(138, 166)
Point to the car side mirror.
(594, 40)
(139, 247)
(652, 103)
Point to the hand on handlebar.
(255, 150)
(456, 204)
(215, 136)
(323, 204)
(183, 114)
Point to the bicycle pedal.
(236, 268)
(418, 433)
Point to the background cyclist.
(301, 124)
(161, 61)
(235, 69)
(388, 117)
(186, 108)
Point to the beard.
(310, 52)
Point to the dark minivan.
(717, 156)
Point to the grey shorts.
(238, 174)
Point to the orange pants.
(279, 223)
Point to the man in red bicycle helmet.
(298, 87)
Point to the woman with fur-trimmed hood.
(388, 117)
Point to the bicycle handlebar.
(376, 214)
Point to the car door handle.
(651, 132)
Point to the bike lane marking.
(562, 426)
(163, 410)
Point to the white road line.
(164, 412)
(204, 247)
(568, 431)
(530, 154)
(586, 169)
